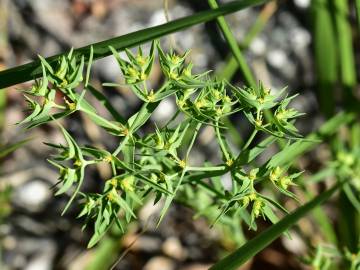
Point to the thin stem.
(97, 119)
(231, 64)
(145, 87)
(197, 128)
(260, 23)
(62, 107)
(121, 145)
(207, 169)
(173, 117)
(113, 168)
(357, 6)
(221, 142)
(251, 138)
(248, 76)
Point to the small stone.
(39, 262)
(196, 266)
(226, 181)
(300, 38)
(32, 195)
(258, 46)
(144, 243)
(173, 248)
(277, 58)
(302, 3)
(165, 109)
(149, 212)
(9, 242)
(157, 18)
(295, 244)
(157, 263)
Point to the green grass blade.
(325, 223)
(3, 103)
(345, 48)
(89, 66)
(231, 64)
(357, 7)
(348, 224)
(229, 37)
(251, 248)
(319, 214)
(325, 54)
(101, 49)
(8, 149)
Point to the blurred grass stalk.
(325, 55)
(348, 220)
(357, 6)
(231, 66)
(231, 41)
(345, 50)
(3, 52)
(334, 54)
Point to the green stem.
(197, 128)
(231, 64)
(345, 45)
(251, 138)
(221, 142)
(259, 24)
(121, 145)
(248, 76)
(357, 6)
(206, 169)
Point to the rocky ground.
(34, 236)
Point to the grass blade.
(251, 248)
(357, 7)
(344, 37)
(231, 65)
(101, 49)
(325, 55)
(229, 37)
(8, 149)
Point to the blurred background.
(293, 44)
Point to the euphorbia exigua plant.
(157, 164)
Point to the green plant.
(156, 164)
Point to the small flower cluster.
(256, 103)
